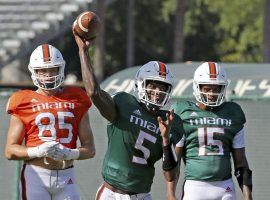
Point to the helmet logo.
(46, 53)
(212, 70)
(162, 69)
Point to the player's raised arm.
(101, 99)
(173, 160)
(169, 157)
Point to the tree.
(201, 38)
(178, 51)
(240, 28)
(153, 33)
(130, 34)
(99, 41)
(266, 32)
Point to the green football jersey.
(134, 145)
(208, 139)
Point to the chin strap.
(152, 107)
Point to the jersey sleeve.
(81, 97)
(13, 102)
(238, 140)
(85, 99)
(179, 107)
(237, 114)
(175, 107)
(119, 99)
(181, 143)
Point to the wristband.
(244, 177)
(169, 159)
(32, 152)
(73, 154)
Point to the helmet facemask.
(48, 82)
(147, 80)
(153, 98)
(211, 99)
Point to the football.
(87, 25)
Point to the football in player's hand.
(87, 25)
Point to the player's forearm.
(106, 106)
(171, 188)
(165, 141)
(246, 193)
(101, 99)
(90, 82)
(16, 152)
(171, 175)
(87, 151)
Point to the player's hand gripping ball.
(87, 25)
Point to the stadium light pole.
(266, 32)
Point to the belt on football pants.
(110, 187)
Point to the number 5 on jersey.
(139, 145)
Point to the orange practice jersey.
(48, 118)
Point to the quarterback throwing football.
(138, 130)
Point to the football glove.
(64, 153)
(46, 149)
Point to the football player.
(213, 131)
(138, 130)
(48, 121)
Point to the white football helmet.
(210, 73)
(157, 72)
(44, 57)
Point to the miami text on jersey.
(144, 123)
(52, 105)
(211, 121)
